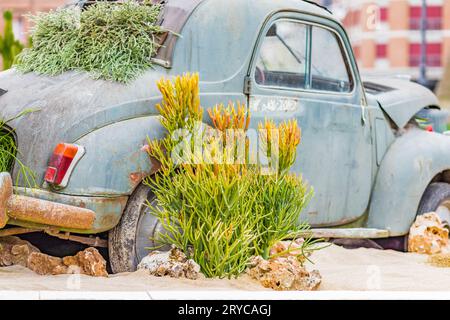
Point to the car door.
(302, 68)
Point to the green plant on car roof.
(111, 41)
(221, 212)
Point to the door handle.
(363, 112)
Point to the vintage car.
(372, 167)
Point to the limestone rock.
(283, 273)
(88, 262)
(172, 263)
(288, 248)
(44, 264)
(427, 235)
(15, 251)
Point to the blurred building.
(386, 34)
(20, 8)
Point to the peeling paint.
(137, 177)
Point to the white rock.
(428, 235)
(172, 263)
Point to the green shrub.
(111, 41)
(222, 212)
(10, 47)
(8, 153)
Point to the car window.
(329, 67)
(282, 58)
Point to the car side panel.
(114, 163)
(335, 156)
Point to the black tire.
(128, 243)
(436, 195)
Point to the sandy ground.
(341, 269)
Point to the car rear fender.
(115, 163)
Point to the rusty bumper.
(40, 209)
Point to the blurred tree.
(443, 90)
(10, 47)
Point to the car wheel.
(436, 198)
(130, 241)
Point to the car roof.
(177, 13)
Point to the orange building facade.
(386, 35)
(20, 8)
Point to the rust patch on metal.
(49, 213)
(16, 231)
(64, 212)
(5, 194)
(81, 204)
(109, 220)
(137, 177)
(90, 241)
(156, 165)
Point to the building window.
(356, 17)
(352, 18)
(434, 17)
(357, 52)
(384, 14)
(381, 51)
(18, 28)
(433, 54)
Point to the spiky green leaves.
(220, 213)
(9, 153)
(109, 40)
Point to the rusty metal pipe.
(90, 241)
(40, 211)
(16, 231)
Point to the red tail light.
(63, 160)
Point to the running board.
(348, 233)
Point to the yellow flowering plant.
(212, 200)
